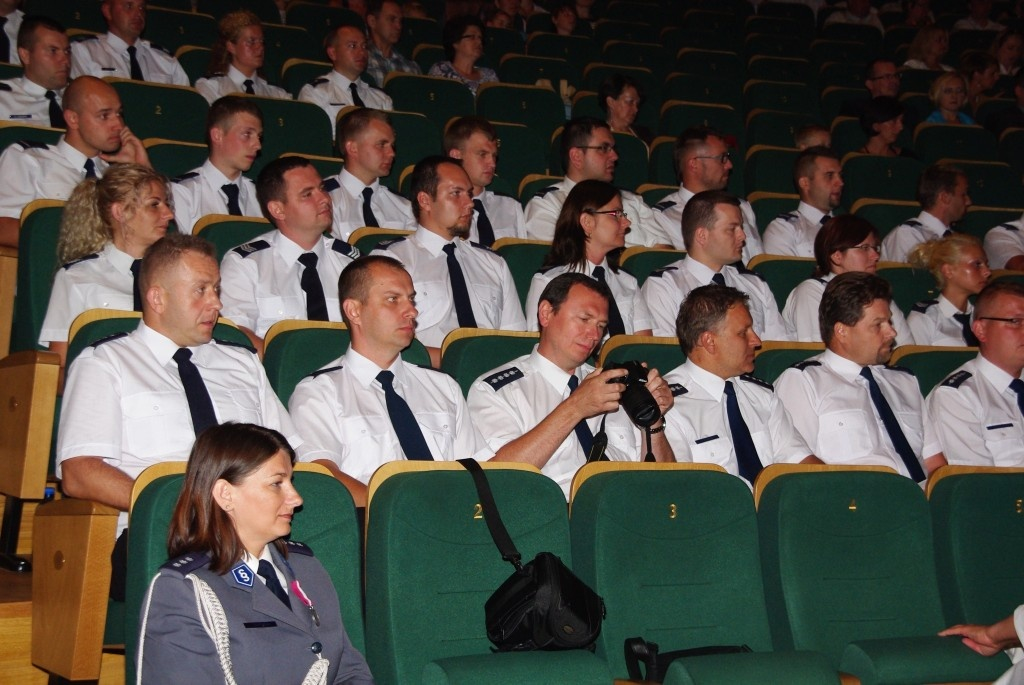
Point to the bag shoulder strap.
(495, 525)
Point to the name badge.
(242, 575)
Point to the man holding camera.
(553, 410)
(723, 414)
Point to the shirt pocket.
(842, 435)
(1003, 438)
(159, 423)
(244, 407)
(711, 449)
(433, 299)
(438, 430)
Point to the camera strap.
(601, 444)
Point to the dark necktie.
(231, 190)
(199, 404)
(133, 64)
(824, 218)
(460, 293)
(356, 100)
(742, 444)
(316, 305)
(483, 224)
(615, 325)
(136, 295)
(56, 113)
(5, 42)
(582, 430)
(249, 90)
(410, 437)
(948, 232)
(892, 427)
(368, 218)
(1017, 385)
(718, 279)
(90, 168)
(965, 324)
(266, 572)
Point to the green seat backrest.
(501, 42)
(980, 219)
(783, 274)
(438, 99)
(770, 363)
(886, 215)
(71, 15)
(767, 206)
(524, 259)
(631, 168)
(868, 36)
(679, 115)
(37, 263)
(161, 111)
(296, 73)
(468, 358)
(703, 87)
(834, 97)
(173, 157)
(284, 43)
(426, 55)
(1011, 148)
(11, 132)
(788, 69)
(909, 285)
(195, 60)
(781, 96)
(722, 64)
(229, 232)
(773, 45)
(539, 108)
(978, 530)
(932, 366)
(529, 188)
(933, 142)
(662, 165)
(992, 184)
(416, 31)
(173, 28)
(521, 152)
(292, 126)
(847, 556)
(431, 564)
(642, 262)
(694, 580)
(646, 55)
(763, 165)
(577, 50)
(778, 129)
(661, 356)
(318, 19)
(529, 70)
(886, 178)
(416, 136)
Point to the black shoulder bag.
(542, 605)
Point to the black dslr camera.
(636, 398)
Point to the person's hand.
(978, 638)
(658, 387)
(596, 395)
(132, 150)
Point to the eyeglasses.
(1012, 323)
(864, 247)
(617, 213)
(887, 77)
(604, 149)
(722, 158)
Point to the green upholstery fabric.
(885, 216)
(992, 184)
(171, 28)
(159, 111)
(664, 358)
(784, 274)
(230, 232)
(439, 99)
(466, 359)
(933, 142)
(12, 132)
(575, 667)
(416, 30)
(769, 364)
(296, 73)
(292, 126)
(416, 136)
(781, 96)
(318, 18)
(933, 366)
(913, 660)
(778, 129)
(431, 565)
(979, 553)
(642, 263)
(284, 43)
(979, 219)
(763, 165)
(909, 285)
(501, 42)
(886, 178)
(792, 668)
(631, 169)
(770, 205)
(529, 69)
(524, 260)
(704, 87)
(539, 108)
(175, 158)
(521, 152)
(37, 262)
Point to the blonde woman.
(949, 94)
(930, 45)
(960, 268)
(237, 60)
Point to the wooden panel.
(28, 391)
(8, 277)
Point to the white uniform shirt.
(125, 403)
(505, 214)
(102, 280)
(11, 28)
(390, 209)
(543, 209)
(24, 102)
(492, 292)
(341, 412)
(801, 312)
(508, 402)
(623, 285)
(932, 323)
(911, 233)
(199, 193)
(969, 24)
(233, 83)
(793, 234)
(698, 420)
(976, 416)
(31, 171)
(107, 55)
(670, 213)
(843, 16)
(831, 408)
(1004, 242)
(665, 289)
(261, 280)
(331, 93)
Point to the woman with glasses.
(591, 226)
(237, 60)
(845, 243)
(463, 39)
(949, 95)
(882, 122)
(960, 268)
(620, 97)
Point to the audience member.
(928, 48)
(592, 225)
(818, 180)
(10, 25)
(1004, 245)
(1011, 116)
(978, 18)
(384, 24)
(35, 97)
(563, 16)
(917, 13)
(474, 141)
(881, 78)
(847, 404)
(1008, 49)
(236, 62)
(942, 194)
(981, 72)
(961, 271)
(949, 95)
(621, 97)
(857, 12)
(993, 639)
(463, 39)
(812, 135)
(495, 18)
(881, 119)
(712, 230)
(121, 53)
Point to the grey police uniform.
(268, 642)
(801, 312)
(898, 243)
(107, 55)
(25, 102)
(624, 287)
(670, 213)
(331, 93)
(199, 192)
(232, 82)
(792, 234)
(1004, 242)
(932, 323)
(261, 280)
(33, 170)
(390, 209)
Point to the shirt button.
(316, 648)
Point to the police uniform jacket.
(233, 83)
(261, 280)
(932, 323)
(505, 214)
(665, 289)
(269, 643)
(801, 312)
(11, 28)
(492, 292)
(101, 280)
(793, 234)
(331, 93)
(896, 246)
(1004, 242)
(543, 209)
(198, 193)
(125, 403)
(698, 426)
(390, 209)
(624, 287)
(107, 55)
(509, 401)
(831, 408)
(24, 102)
(341, 413)
(670, 213)
(33, 170)
(976, 416)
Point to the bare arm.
(435, 356)
(811, 459)
(987, 640)
(94, 479)
(255, 340)
(9, 229)
(933, 462)
(1016, 263)
(355, 488)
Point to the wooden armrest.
(28, 396)
(8, 279)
